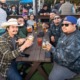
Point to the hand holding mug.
(48, 46)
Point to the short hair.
(45, 5)
(55, 11)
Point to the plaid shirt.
(6, 54)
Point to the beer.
(44, 45)
(44, 29)
(35, 24)
(29, 28)
(35, 27)
(30, 37)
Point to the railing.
(41, 17)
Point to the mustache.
(15, 31)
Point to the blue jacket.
(67, 51)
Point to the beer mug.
(44, 44)
(29, 28)
(30, 37)
(35, 27)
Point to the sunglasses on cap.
(66, 25)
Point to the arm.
(6, 51)
(67, 55)
(73, 10)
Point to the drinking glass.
(29, 28)
(44, 44)
(39, 41)
(35, 27)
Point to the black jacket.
(56, 32)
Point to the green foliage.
(49, 2)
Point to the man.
(25, 17)
(52, 15)
(67, 8)
(3, 16)
(67, 52)
(10, 49)
(57, 6)
(22, 32)
(44, 12)
(55, 30)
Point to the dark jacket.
(22, 33)
(67, 51)
(56, 32)
(44, 11)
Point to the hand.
(20, 41)
(27, 44)
(52, 38)
(48, 47)
(45, 25)
(45, 14)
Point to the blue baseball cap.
(71, 19)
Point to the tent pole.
(36, 8)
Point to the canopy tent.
(26, 1)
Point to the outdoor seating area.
(39, 40)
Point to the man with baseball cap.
(10, 49)
(67, 52)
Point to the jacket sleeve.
(6, 52)
(50, 30)
(67, 55)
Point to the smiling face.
(12, 30)
(68, 27)
(52, 15)
(21, 21)
(57, 20)
(31, 17)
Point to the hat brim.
(5, 24)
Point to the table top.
(36, 52)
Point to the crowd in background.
(62, 34)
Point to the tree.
(49, 2)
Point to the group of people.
(64, 46)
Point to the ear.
(7, 28)
(74, 25)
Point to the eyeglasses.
(66, 25)
(21, 20)
(56, 18)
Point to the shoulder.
(2, 39)
(28, 21)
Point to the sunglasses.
(66, 25)
(56, 18)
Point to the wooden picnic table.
(37, 57)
